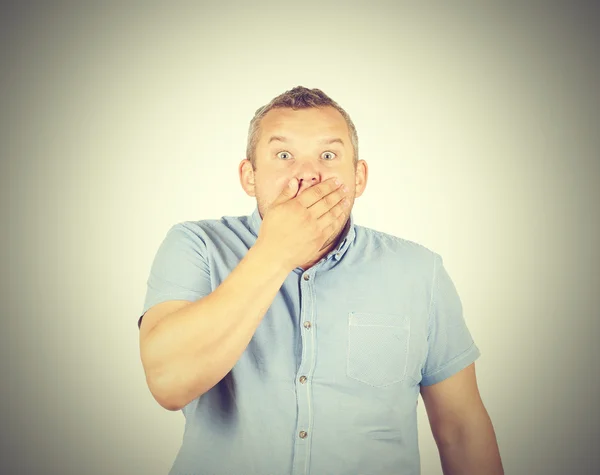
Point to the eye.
(282, 152)
(325, 154)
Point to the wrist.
(268, 259)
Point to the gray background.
(480, 124)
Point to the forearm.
(472, 449)
(191, 350)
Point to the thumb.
(288, 191)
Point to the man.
(296, 341)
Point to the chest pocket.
(378, 348)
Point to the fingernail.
(337, 181)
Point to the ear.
(361, 176)
(247, 177)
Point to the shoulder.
(387, 245)
(208, 232)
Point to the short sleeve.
(450, 345)
(180, 268)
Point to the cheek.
(270, 187)
(347, 179)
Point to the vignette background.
(480, 125)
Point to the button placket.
(302, 434)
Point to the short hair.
(297, 98)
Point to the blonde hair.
(296, 98)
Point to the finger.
(289, 191)
(330, 207)
(328, 202)
(317, 192)
(329, 221)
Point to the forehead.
(308, 122)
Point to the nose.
(307, 183)
(308, 175)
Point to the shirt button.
(337, 255)
(306, 276)
(303, 434)
(302, 379)
(307, 325)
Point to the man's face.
(294, 143)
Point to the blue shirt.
(329, 383)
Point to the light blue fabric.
(366, 326)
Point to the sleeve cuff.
(457, 364)
(190, 296)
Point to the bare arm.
(189, 351)
(188, 348)
(461, 426)
(473, 449)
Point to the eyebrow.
(327, 141)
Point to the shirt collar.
(349, 234)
